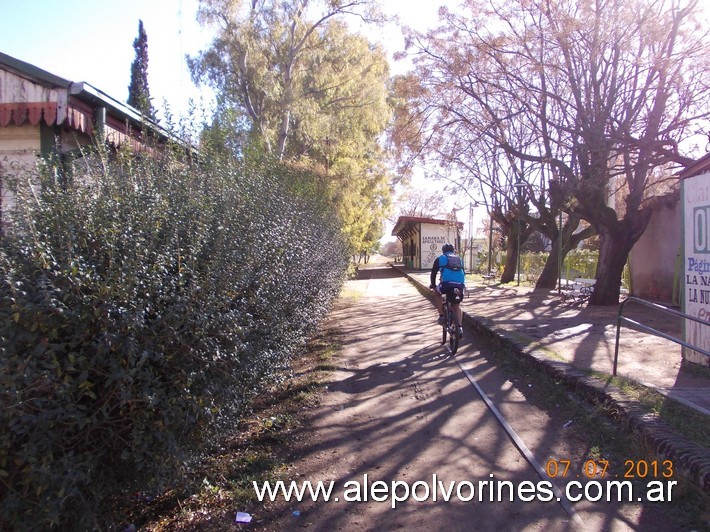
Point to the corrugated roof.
(404, 221)
(36, 73)
(85, 92)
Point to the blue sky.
(92, 40)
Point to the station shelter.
(422, 239)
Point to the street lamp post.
(519, 188)
(454, 215)
(517, 268)
(559, 257)
(490, 243)
(470, 237)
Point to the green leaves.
(141, 308)
(298, 84)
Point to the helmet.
(447, 248)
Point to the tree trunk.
(551, 272)
(614, 249)
(511, 258)
(513, 246)
(283, 132)
(286, 102)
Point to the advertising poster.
(696, 264)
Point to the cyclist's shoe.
(442, 320)
(460, 332)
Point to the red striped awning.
(32, 112)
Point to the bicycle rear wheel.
(443, 333)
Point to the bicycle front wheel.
(453, 342)
(453, 334)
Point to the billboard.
(696, 264)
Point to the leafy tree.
(267, 62)
(432, 122)
(138, 91)
(362, 203)
(292, 80)
(392, 249)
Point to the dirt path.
(399, 409)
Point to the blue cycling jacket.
(447, 275)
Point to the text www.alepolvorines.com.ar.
(436, 490)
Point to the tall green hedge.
(143, 303)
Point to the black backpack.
(453, 262)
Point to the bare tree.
(421, 203)
(596, 96)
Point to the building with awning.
(43, 115)
(422, 239)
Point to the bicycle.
(450, 326)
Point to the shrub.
(577, 263)
(143, 303)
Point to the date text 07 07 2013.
(633, 469)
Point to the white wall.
(19, 148)
(695, 198)
(433, 237)
(653, 258)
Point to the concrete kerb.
(689, 459)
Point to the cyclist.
(453, 277)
